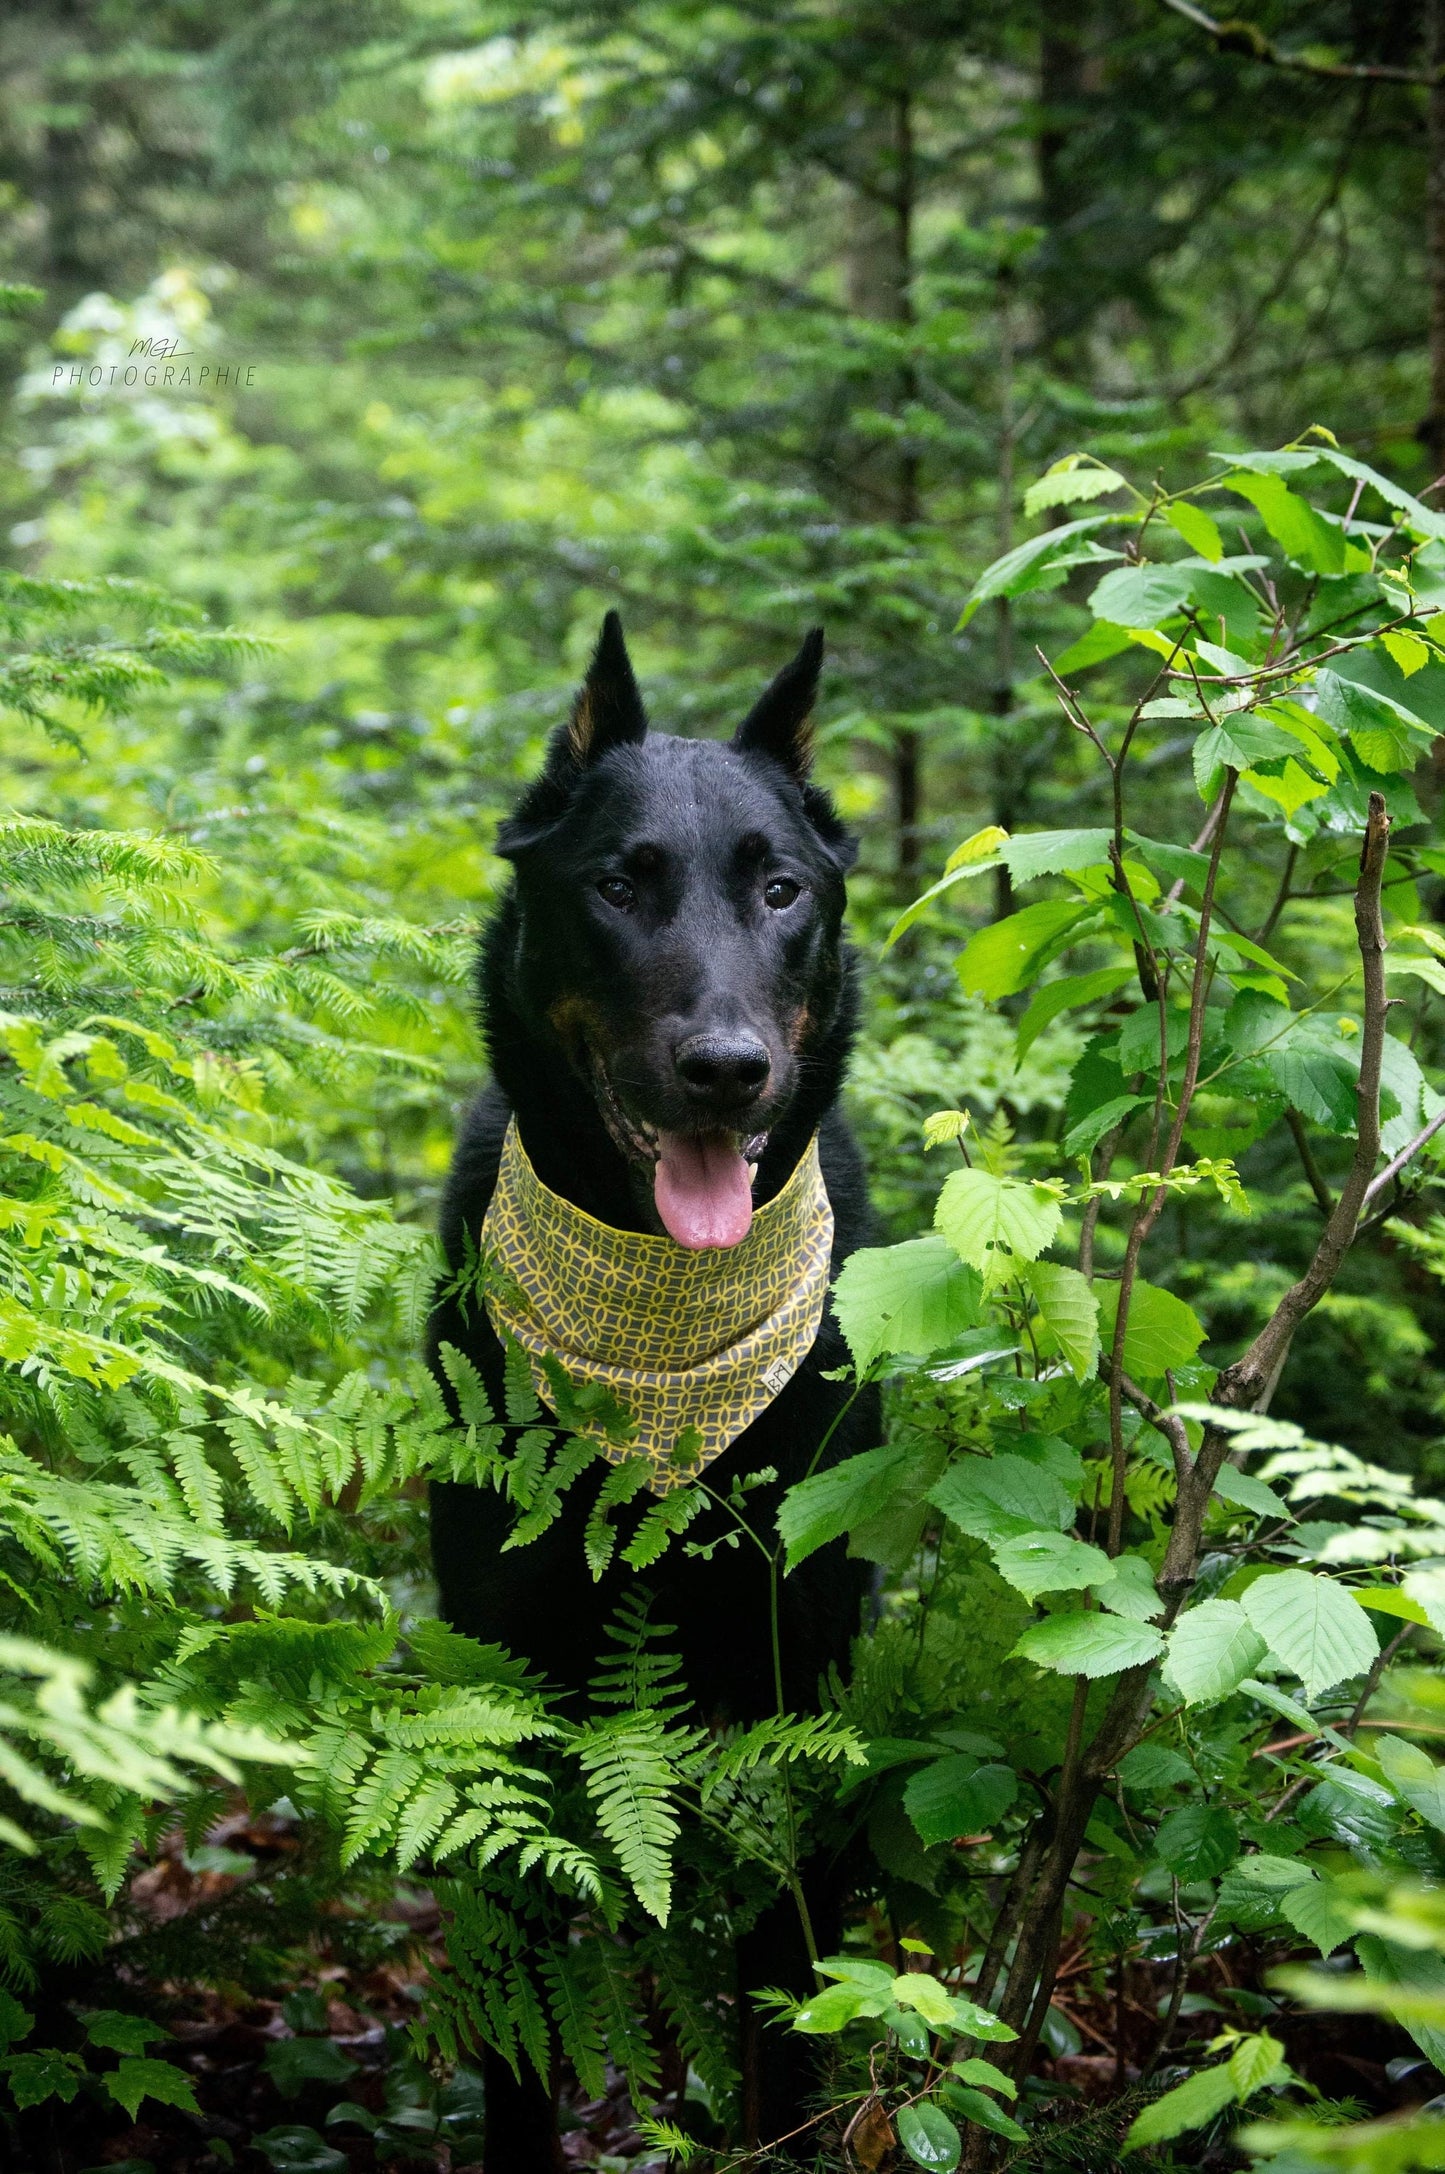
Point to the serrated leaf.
(1000, 1498)
(1197, 528)
(1242, 1488)
(1188, 2106)
(1197, 1841)
(1129, 1589)
(1007, 955)
(956, 1796)
(1312, 1627)
(1041, 563)
(1413, 1775)
(1071, 1312)
(1070, 994)
(1141, 596)
(1254, 2063)
(1315, 1910)
(1089, 1645)
(1212, 1648)
(135, 2080)
(1049, 1562)
(825, 1506)
(1162, 1331)
(987, 1218)
(914, 1298)
(1067, 482)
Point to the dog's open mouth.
(702, 1182)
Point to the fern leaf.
(571, 1997)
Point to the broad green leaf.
(983, 1216)
(1407, 650)
(1161, 1332)
(35, 2077)
(1255, 2062)
(1390, 1600)
(1305, 536)
(1068, 481)
(1082, 1138)
(1415, 1972)
(976, 2070)
(1001, 1498)
(1048, 1562)
(1196, 527)
(1413, 1774)
(1070, 994)
(837, 2006)
(1129, 1589)
(950, 878)
(1141, 596)
(1188, 2106)
(971, 2021)
(1197, 1841)
(915, 1298)
(1236, 744)
(956, 1796)
(1318, 1074)
(1212, 1648)
(919, 1990)
(134, 2080)
(980, 850)
(292, 2149)
(1035, 853)
(1265, 1870)
(120, 2033)
(1427, 1589)
(1042, 562)
(1312, 1627)
(1152, 1768)
(1420, 520)
(1384, 733)
(1067, 1303)
(1315, 1909)
(1242, 1488)
(1089, 1645)
(1007, 955)
(928, 2136)
(1095, 646)
(823, 1507)
(973, 2106)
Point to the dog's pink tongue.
(703, 1191)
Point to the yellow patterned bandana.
(695, 1343)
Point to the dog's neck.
(562, 1129)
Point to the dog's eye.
(781, 892)
(617, 891)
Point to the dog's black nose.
(722, 1068)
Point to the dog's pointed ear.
(780, 722)
(608, 711)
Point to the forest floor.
(317, 2075)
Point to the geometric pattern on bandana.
(691, 1343)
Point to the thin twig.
(1236, 36)
(1393, 1168)
(1318, 1187)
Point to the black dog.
(665, 981)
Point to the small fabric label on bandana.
(694, 1344)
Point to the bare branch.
(1172, 1429)
(1407, 1153)
(1239, 1384)
(1235, 36)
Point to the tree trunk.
(880, 286)
(1433, 428)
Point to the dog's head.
(679, 912)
